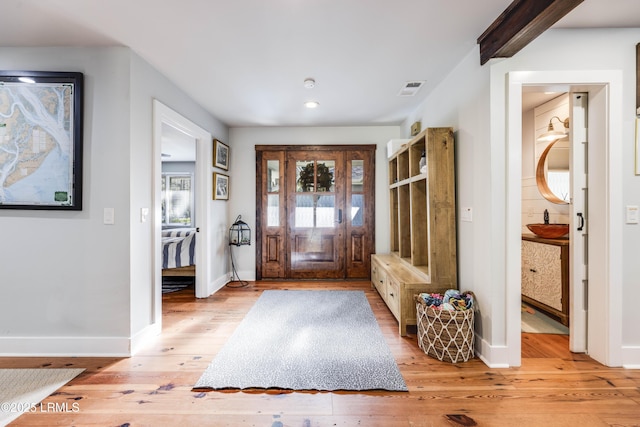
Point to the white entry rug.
(22, 390)
(306, 340)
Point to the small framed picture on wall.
(220, 186)
(220, 155)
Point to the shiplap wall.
(533, 204)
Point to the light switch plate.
(466, 214)
(109, 217)
(632, 214)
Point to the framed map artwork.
(41, 140)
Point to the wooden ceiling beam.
(519, 24)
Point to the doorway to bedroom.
(178, 202)
(167, 120)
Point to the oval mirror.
(552, 173)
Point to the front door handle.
(339, 221)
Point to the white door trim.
(605, 344)
(203, 184)
(578, 235)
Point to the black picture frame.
(41, 129)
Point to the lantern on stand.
(239, 233)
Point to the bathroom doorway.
(554, 190)
(602, 340)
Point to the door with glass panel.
(315, 211)
(315, 182)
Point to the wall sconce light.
(551, 134)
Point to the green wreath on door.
(324, 177)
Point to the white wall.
(148, 84)
(71, 285)
(242, 199)
(462, 102)
(472, 99)
(65, 275)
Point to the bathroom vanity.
(545, 275)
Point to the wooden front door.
(315, 183)
(318, 222)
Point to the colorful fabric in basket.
(452, 300)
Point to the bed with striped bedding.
(178, 247)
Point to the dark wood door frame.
(356, 236)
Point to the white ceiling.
(177, 146)
(245, 60)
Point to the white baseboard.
(65, 346)
(497, 356)
(631, 357)
(493, 356)
(246, 276)
(142, 338)
(217, 284)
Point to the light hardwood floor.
(553, 387)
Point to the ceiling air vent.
(411, 88)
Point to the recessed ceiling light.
(311, 104)
(309, 83)
(26, 80)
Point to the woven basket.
(446, 335)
